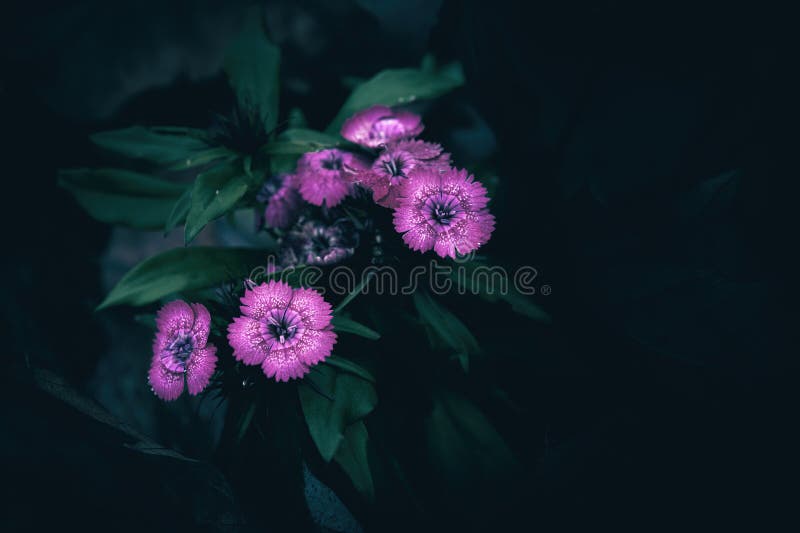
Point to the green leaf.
(179, 270)
(345, 325)
(453, 333)
(349, 366)
(459, 434)
(147, 320)
(122, 197)
(331, 402)
(297, 118)
(60, 389)
(252, 63)
(215, 192)
(479, 285)
(399, 86)
(203, 158)
(179, 211)
(524, 306)
(352, 457)
(157, 146)
(298, 141)
(349, 298)
(244, 422)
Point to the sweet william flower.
(181, 352)
(443, 211)
(380, 125)
(285, 330)
(282, 200)
(397, 163)
(324, 176)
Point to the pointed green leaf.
(122, 197)
(297, 119)
(298, 141)
(157, 146)
(215, 192)
(181, 269)
(356, 291)
(459, 434)
(345, 325)
(399, 86)
(349, 366)
(352, 457)
(523, 305)
(252, 63)
(473, 281)
(453, 333)
(331, 402)
(203, 157)
(179, 211)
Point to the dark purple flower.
(316, 243)
(443, 211)
(282, 200)
(324, 176)
(380, 125)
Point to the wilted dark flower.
(316, 243)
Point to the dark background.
(647, 164)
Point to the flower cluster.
(436, 207)
(288, 330)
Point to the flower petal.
(175, 315)
(314, 311)
(326, 188)
(200, 368)
(246, 337)
(166, 385)
(201, 326)
(315, 346)
(283, 365)
(261, 299)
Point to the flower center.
(320, 243)
(283, 327)
(394, 167)
(333, 162)
(442, 211)
(177, 352)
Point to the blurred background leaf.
(116, 196)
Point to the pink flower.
(399, 162)
(379, 125)
(181, 349)
(443, 211)
(284, 330)
(323, 175)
